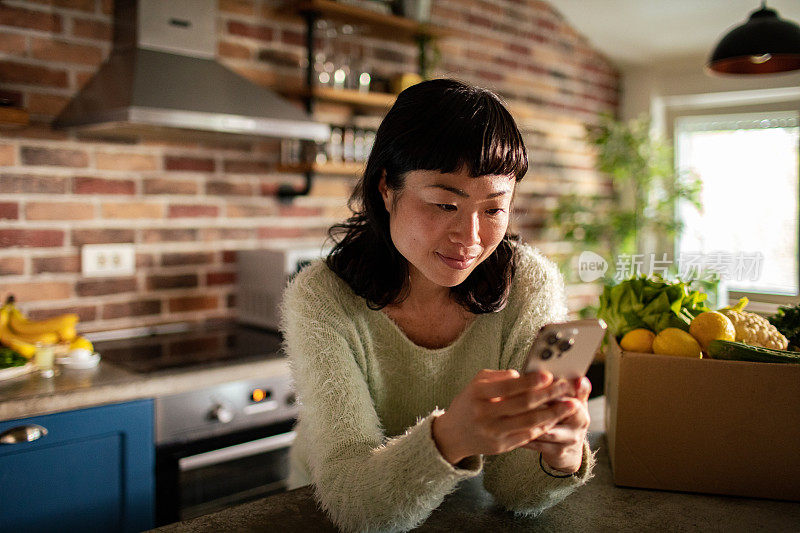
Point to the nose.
(467, 230)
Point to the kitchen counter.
(107, 383)
(598, 506)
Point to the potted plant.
(638, 214)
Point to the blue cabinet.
(93, 471)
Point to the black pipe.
(287, 192)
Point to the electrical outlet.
(102, 260)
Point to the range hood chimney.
(161, 81)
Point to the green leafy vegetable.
(787, 320)
(9, 358)
(649, 303)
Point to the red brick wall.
(188, 206)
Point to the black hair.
(443, 125)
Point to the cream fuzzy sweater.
(369, 394)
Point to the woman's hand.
(499, 410)
(562, 446)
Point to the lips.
(458, 262)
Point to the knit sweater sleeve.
(515, 478)
(363, 480)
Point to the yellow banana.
(51, 337)
(21, 334)
(7, 337)
(21, 325)
(67, 333)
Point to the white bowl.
(79, 354)
(77, 364)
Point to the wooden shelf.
(13, 117)
(351, 97)
(331, 169)
(385, 26)
(368, 100)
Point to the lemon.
(638, 340)
(674, 341)
(81, 343)
(710, 326)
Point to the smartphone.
(566, 349)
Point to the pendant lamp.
(765, 44)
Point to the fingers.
(548, 449)
(583, 387)
(535, 420)
(529, 399)
(579, 419)
(490, 384)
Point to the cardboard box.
(703, 425)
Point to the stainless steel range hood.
(161, 81)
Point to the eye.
(494, 212)
(446, 207)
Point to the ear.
(386, 193)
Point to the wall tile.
(36, 291)
(34, 155)
(88, 185)
(9, 210)
(31, 238)
(15, 72)
(58, 211)
(103, 286)
(193, 303)
(12, 266)
(28, 18)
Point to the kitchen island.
(598, 506)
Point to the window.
(749, 170)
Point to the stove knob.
(221, 414)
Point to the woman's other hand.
(562, 446)
(500, 410)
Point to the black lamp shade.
(765, 44)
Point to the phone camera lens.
(546, 354)
(566, 344)
(554, 337)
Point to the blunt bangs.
(473, 132)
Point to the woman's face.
(445, 225)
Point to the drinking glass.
(44, 359)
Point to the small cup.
(44, 359)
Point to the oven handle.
(237, 451)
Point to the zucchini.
(739, 351)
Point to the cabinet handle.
(19, 434)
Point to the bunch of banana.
(22, 334)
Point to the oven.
(219, 445)
(222, 446)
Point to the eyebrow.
(463, 194)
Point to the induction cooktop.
(215, 345)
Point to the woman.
(427, 302)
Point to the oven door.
(201, 477)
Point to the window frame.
(761, 302)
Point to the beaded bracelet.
(541, 464)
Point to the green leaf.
(650, 303)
